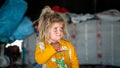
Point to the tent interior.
(94, 30)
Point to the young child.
(53, 50)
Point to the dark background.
(74, 6)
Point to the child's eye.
(55, 28)
(61, 29)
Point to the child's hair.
(46, 19)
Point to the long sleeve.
(74, 58)
(42, 56)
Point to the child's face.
(56, 32)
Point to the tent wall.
(89, 46)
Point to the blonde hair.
(46, 19)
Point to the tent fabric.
(24, 30)
(11, 13)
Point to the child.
(53, 50)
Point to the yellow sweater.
(45, 54)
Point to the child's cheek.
(53, 34)
(54, 31)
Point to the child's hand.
(56, 46)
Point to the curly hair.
(46, 19)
